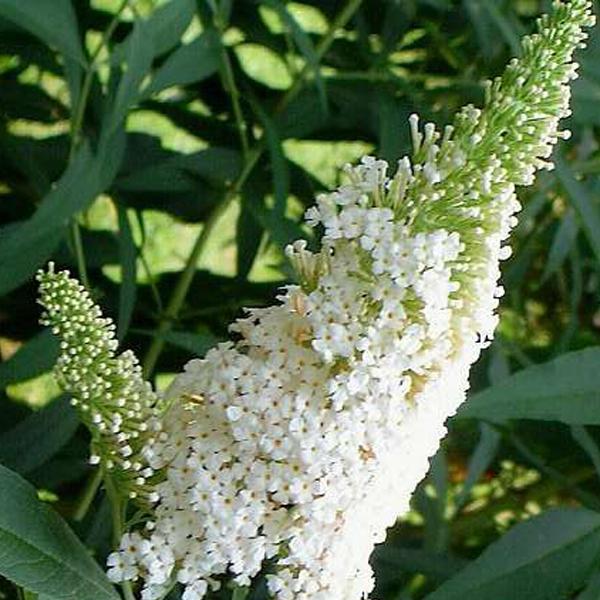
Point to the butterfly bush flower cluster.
(294, 448)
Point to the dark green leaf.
(304, 44)
(188, 64)
(592, 590)
(582, 201)
(39, 552)
(544, 558)
(566, 389)
(197, 344)
(279, 166)
(30, 244)
(53, 22)
(127, 289)
(394, 560)
(281, 230)
(138, 59)
(582, 436)
(39, 437)
(33, 358)
(167, 24)
(479, 461)
(563, 241)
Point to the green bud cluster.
(107, 389)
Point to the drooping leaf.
(39, 552)
(544, 558)
(33, 358)
(39, 437)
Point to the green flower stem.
(118, 507)
(88, 495)
(183, 284)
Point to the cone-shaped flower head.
(108, 390)
(304, 441)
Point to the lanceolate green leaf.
(583, 203)
(54, 22)
(544, 558)
(138, 60)
(30, 244)
(566, 389)
(39, 437)
(128, 257)
(305, 46)
(33, 358)
(39, 552)
(190, 63)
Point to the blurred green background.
(165, 151)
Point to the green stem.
(79, 253)
(77, 124)
(231, 86)
(117, 511)
(252, 157)
(88, 495)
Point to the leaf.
(39, 552)
(566, 389)
(279, 166)
(33, 241)
(588, 445)
(249, 232)
(188, 64)
(127, 289)
(217, 165)
(480, 460)
(53, 22)
(592, 590)
(395, 560)
(563, 241)
(138, 59)
(39, 437)
(34, 357)
(282, 230)
(582, 202)
(544, 558)
(197, 344)
(168, 23)
(304, 44)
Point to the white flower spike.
(305, 440)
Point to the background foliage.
(165, 152)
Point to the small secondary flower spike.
(112, 399)
(305, 440)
